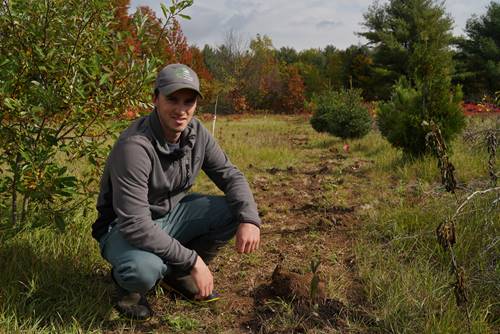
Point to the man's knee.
(139, 274)
(227, 223)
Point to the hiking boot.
(186, 288)
(132, 305)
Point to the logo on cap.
(183, 73)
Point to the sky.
(293, 23)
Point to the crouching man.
(149, 228)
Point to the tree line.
(253, 75)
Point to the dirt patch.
(270, 291)
(299, 226)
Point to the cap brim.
(167, 90)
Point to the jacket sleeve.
(230, 180)
(130, 166)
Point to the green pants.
(199, 222)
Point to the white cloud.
(327, 24)
(299, 24)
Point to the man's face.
(175, 112)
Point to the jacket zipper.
(184, 180)
(188, 176)
(169, 201)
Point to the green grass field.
(56, 282)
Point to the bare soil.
(302, 221)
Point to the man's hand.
(247, 238)
(202, 278)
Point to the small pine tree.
(342, 114)
(400, 119)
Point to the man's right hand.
(202, 278)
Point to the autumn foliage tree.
(254, 78)
(292, 98)
(162, 40)
(68, 69)
(262, 82)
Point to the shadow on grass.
(51, 291)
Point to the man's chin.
(178, 129)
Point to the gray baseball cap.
(177, 76)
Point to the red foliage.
(238, 101)
(177, 49)
(130, 114)
(293, 97)
(471, 109)
(169, 45)
(121, 14)
(198, 64)
(123, 24)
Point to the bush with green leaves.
(342, 114)
(400, 120)
(66, 73)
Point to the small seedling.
(315, 279)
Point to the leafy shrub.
(400, 119)
(342, 114)
(67, 73)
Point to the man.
(149, 229)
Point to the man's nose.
(180, 108)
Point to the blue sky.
(299, 24)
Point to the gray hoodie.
(143, 180)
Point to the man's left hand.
(247, 238)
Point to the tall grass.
(50, 281)
(406, 274)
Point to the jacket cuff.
(191, 262)
(250, 222)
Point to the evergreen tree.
(341, 114)
(400, 30)
(412, 39)
(479, 54)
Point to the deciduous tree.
(65, 77)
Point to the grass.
(56, 282)
(406, 273)
(407, 276)
(45, 282)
